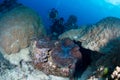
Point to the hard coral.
(116, 73)
(54, 57)
(17, 27)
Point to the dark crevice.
(88, 57)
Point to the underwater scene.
(59, 39)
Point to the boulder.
(17, 27)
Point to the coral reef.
(109, 61)
(20, 67)
(17, 27)
(95, 37)
(103, 37)
(25, 71)
(47, 59)
(104, 67)
(57, 59)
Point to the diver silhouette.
(57, 28)
(53, 14)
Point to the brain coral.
(17, 27)
(97, 37)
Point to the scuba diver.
(53, 14)
(57, 28)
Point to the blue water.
(87, 11)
